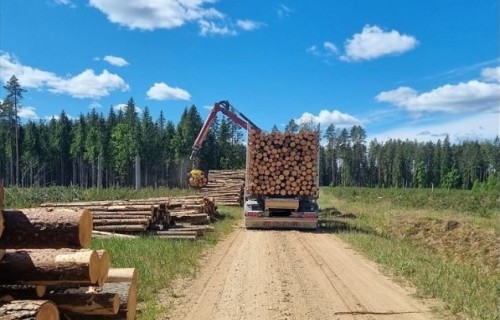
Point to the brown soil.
(257, 274)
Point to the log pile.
(143, 215)
(121, 216)
(283, 164)
(47, 271)
(225, 186)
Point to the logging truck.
(281, 182)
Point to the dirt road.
(290, 275)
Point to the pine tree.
(13, 100)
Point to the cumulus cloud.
(330, 47)
(170, 14)
(373, 42)
(27, 113)
(249, 25)
(471, 96)
(87, 84)
(162, 91)
(159, 14)
(116, 61)
(326, 117)
(491, 74)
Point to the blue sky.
(413, 69)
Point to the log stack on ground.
(46, 269)
(122, 216)
(226, 187)
(142, 215)
(283, 164)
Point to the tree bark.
(29, 309)
(43, 228)
(23, 292)
(73, 301)
(50, 267)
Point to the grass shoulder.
(446, 253)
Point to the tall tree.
(13, 98)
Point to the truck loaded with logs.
(282, 176)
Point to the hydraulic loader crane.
(228, 110)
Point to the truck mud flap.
(280, 223)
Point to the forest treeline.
(97, 150)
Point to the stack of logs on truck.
(47, 271)
(171, 218)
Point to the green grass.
(405, 231)
(32, 197)
(160, 261)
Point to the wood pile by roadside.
(226, 187)
(143, 216)
(48, 272)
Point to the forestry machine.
(263, 211)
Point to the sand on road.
(262, 274)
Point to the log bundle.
(226, 187)
(142, 215)
(283, 164)
(47, 272)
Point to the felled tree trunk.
(50, 267)
(29, 309)
(45, 228)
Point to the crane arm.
(229, 111)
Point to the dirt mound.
(458, 241)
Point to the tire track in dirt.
(256, 274)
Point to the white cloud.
(328, 51)
(491, 74)
(123, 106)
(326, 117)
(28, 77)
(84, 85)
(212, 28)
(330, 47)
(68, 3)
(158, 14)
(373, 42)
(284, 11)
(95, 105)
(249, 25)
(89, 85)
(480, 126)
(27, 113)
(162, 91)
(116, 61)
(471, 96)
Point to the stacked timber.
(225, 186)
(283, 164)
(142, 215)
(122, 216)
(192, 209)
(47, 271)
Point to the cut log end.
(104, 265)
(30, 309)
(85, 230)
